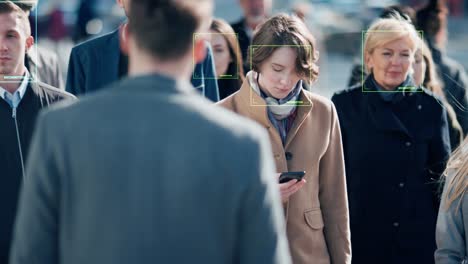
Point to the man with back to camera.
(100, 61)
(43, 64)
(108, 184)
(20, 101)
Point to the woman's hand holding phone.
(289, 188)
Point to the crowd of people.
(167, 141)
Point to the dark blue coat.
(95, 64)
(394, 153)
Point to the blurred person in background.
(425, 75)
(305, 135)
(98, 62)
(396, 143)
(108, 184)
(432, 20)
(227, 57)
(85, 14)
(452, 222)
(43, 64)
(254, 13)
(21, 99)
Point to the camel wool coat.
(317, 216)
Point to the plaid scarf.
(281, 112)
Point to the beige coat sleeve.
(333, 196)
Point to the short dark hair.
(285, 30)
(164, 28)
(7, 7)
(432, 18)
(25, 5)
(406, 12)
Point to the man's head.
(164, 29)
(255, 11)
(15, 39)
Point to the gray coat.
(451, 231)
(148, 172)
(43, 65)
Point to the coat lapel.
(302, 112)
(250, 104)
(381, 113)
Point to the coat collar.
(381, 112)
(254, 106)
(153, 83)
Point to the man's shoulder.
(350, 93)
(51, 92)
(98, 44)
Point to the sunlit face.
(221, 54)
(391, 63)
(13, 44)
(419, 68)
(278, 75)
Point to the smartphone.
(291, 175)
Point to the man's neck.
(11, 85)
(176, 70)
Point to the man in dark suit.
(100, 61)
(255, 12)
(43, 64)
(20, 102)
(146, 171)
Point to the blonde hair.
(386, 30)
(458, 183)
(433, 83)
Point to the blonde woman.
(396, 143)
(452, 222)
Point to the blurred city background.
(337, 24)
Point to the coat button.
(288, 155)
(408, 144)
(419, 107)
(396, 224)
(402, 184)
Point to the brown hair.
(285, 30)
(235, 67)
(7, 7)
(165, 28)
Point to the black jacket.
(455, 82)
(17, 129)
(394, 154)
(244, 41)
